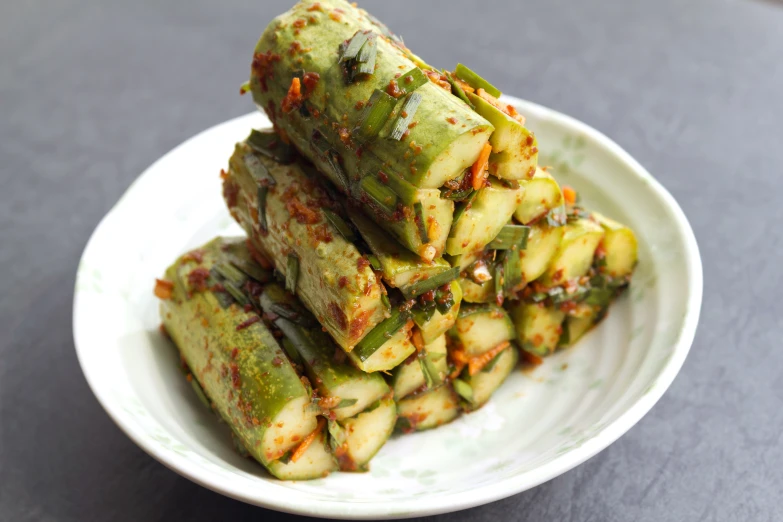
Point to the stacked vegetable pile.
(404, 249)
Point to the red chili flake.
(236, 380)
(335, 16)
(315, 7)
(163, 331)
(277, 361)
(194, 255)
(342, 282)
(301, 213)
(293, 98)
(262, 66)
(428, 296)
(299, 23)
(230, 193)
(452, 120)
(244, 324)
(338, 315)
(310, 80)
(197, 279)
(359, 105)
(253, 288)
(234, 353)
(558, 275)
(163, 289)
(294, 48)
(322, 234)
(393, 89)
(404, 136)
(362, 263)
(223, 174)
(359, 324)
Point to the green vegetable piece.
(270, 145)
(510, 236)
(432, 283)
(475, 81)
(381, 195)
(374, 116)
(339, 223)
(380, 334)
(292, 273)
(405, 116)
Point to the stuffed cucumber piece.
(314, 461)
(356, 440)
(427, 410)
(478, 220)
(236, 360)
(425, 370)
(352, 100)
(514, 148)
(387, 346)
(475, 389)
(283, 211)
(400, 267)
(342, 389)
(543, 243)
(574, 256)
(481, 327)
(538, 327)
(542, 195)
(438, 323)
(618, 250)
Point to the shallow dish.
(537, 426)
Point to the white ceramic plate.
(536, 426)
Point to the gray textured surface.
(92, 92)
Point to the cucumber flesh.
(620, 247)
(316, 462)
(489, 211)
(481, 328)
(542, 194)
(476, 293)
(485, 382)
(365, 434)
(575, 254)
(577, 327)
(514, 147)
(543, 243)
(427, 410)
(408, 377)
(440, 323)
(538, 327)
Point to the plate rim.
(485, 494)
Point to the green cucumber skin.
(319, 39)
(317, 352)
(400, 266)
(620, 245)
(488, 213)
(343, 293)
(339, 111)
(248, 387)
(386, 415)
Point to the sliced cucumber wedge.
(427, 410)
(542, 194)
(538, 327)
(575, 255)
(359, 438)
(484, 383)
(479, 328)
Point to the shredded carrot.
(477, 363)
(460, 361)
(479, 169)
(569, 194)
(418, 341)
(293, 98)
(464, 86)
(300, 450)
(163, 289)
(531, 358)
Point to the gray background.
(92, 92)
